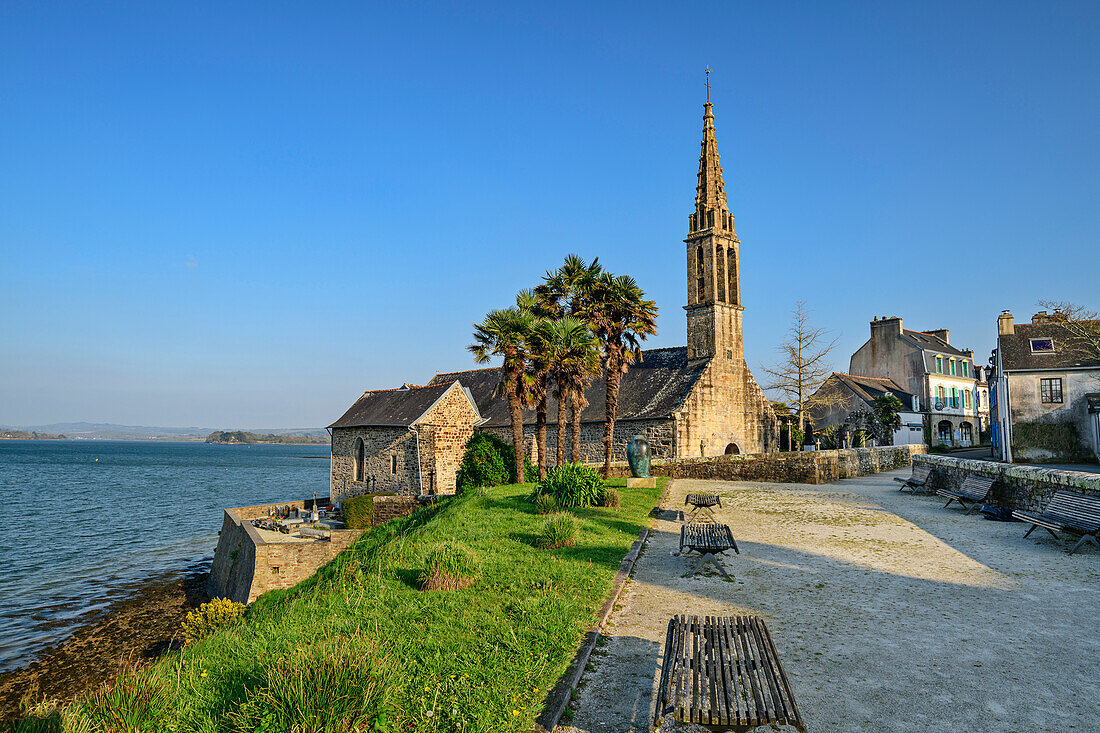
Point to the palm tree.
(505, 333)
(619, 315)
(572, 357)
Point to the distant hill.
(32, 435)
(243, 437)
(111, 431)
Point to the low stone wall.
(1014, 486)
(392, 507)
(246, 565)
(811, 467)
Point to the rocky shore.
(133, 630)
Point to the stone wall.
(443, 435)
(381, 446)
(811, 467)
(392, 507)
(661, 435)
(246, 565)
(1015, 486)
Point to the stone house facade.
(925, 364)
(1042, 378)
(408, 441)
(843, 394)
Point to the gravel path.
(890, 613)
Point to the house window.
(966, 369)
(393, 464)
(1042, 346)
(939, 365)
(941, 395)
(952, 367)
(1052, 390)
(978, 398)
(966, 399)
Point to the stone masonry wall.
(726, 406)
(661, 435)
(380, 444)
(246, 566)
(444, 432)
(810, 467)
(1015, 487)
(392, 507)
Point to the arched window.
(720, 274)
(360, 459)
(944, 429)
(731, 267)
(733, 450)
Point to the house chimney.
(941, 333)
(1005, 325)
(885, 328)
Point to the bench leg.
(1052, 532)
(949, 502)
(1084, 538)
(1031, 530)
(709, 557)
(973, 506)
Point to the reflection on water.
(81, 532)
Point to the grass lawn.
(359, 647)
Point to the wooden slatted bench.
(1067, 511)
(702, 503)
(916, 482)
(709, 540)
(723, 673)
(974, 489)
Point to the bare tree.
(804, 365)
(1080, 328)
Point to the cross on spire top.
(708, 82)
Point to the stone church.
(689, 401)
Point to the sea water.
(86, 521)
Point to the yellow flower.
(203, 673)
(426, 688)
(515, 712)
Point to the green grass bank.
(359, 647)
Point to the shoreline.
(134, 629)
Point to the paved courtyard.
(890, 613)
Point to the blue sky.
(243, 215)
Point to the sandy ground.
(890, 613)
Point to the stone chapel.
(690, 401)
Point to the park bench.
(723, 673)
(702, 503)
(974, 489)
(1067, 512)
(709, 540)
(918, 481)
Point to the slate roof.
(869, 388)
(393, 407)
(1014, 350)
(650, 389)
(932, 343)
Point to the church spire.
(711, 207)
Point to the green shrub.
(545, 504)
(487, 461)
(938, 449)
(530, 472)
(1059, 439)
(135, 700)
(572, 485)
(560, 530)
(450, 565)
(209, 617)
(358, 511)
(609, 497)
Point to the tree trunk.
(576, 432)
(614, 375)
(540, 434)
(562, 398)
(516, 409)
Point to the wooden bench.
(723, 673)
(709, 540)
(917, 481)
(1067, 512)
(702, 503)
(974, 489)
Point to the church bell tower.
(714, 283)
